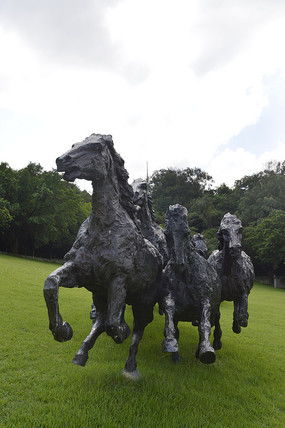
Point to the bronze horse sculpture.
(191, 289)
(110, 256)
(234, 268)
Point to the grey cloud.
(64, 31)
(226, 26)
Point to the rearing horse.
(110, 257)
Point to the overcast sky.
(177, 83)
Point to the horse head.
(90, 159)
(230, 234)
(200, 245)
(177, 232)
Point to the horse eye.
(98, 147)
(72, 146)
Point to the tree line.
(40, 213)
(258, 200)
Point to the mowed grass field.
(40, 387)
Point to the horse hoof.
(63, 332)
(243, 322)
(170, 345)
(217, 345)
(131, 375)
(236, 328)
(80, 359)
(175, 357)
(207, 357)
(119, 333)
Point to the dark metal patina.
(235, 269)
(110, 256)
(191, 289)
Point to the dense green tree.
(262, 195)
(45, 211)
(265, 242)
(206, 212)
(171, 186)
(5, 216)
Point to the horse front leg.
(170, 343)
(205, 351)
(116, 326)
(175, 355)
(63, 276)
(240, 313)
(236, 327)
(243, 310)
(98, 327)
(217, 344)
(143, 315)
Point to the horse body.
(191, 288)
(110, 257)
(234, 268)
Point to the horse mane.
(125, 189)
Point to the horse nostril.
(63, 159)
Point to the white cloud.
(233, 164)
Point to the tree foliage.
(265, 242)
(258, 199)
(40, 213)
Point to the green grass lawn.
(40, 387)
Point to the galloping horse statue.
(235, 269)
(191, 289)
(110, 256)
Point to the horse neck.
(180, 249)
(146, 218)
(106, 207)
(228, 260)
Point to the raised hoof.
(207, 357)
(119, 333)
(170, 345)
(217, 345)
(63, 332)
(175, 357)
(131, 375)
(236, 328)
(80, 359)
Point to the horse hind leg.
(98, 327)
(142, 317)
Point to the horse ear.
(220, 239)
(109, 141)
